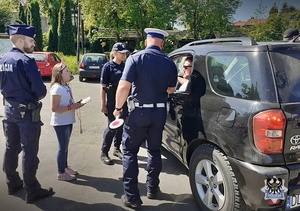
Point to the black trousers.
(22, 135)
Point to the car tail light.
(268, 131)
(81, 65)
(47, 64)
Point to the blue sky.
(248, 7)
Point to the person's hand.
(117, 113)
(104, 109)
(76, 105)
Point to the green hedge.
(71, 61)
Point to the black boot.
(106, 159)
(39, 194)
(118, 153)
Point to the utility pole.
(78, 31)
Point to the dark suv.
(236, 125)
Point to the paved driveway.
(98, 187)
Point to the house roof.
(250, 22)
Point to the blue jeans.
(63, 134)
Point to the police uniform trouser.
(21, 135)
(110, 134)
(142, 123)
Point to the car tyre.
(213, 182)
(80, 79)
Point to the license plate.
(94, 67)
(293, 202)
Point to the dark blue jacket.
(20, 79)
(151, 72)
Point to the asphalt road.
(98, 186)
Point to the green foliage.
(5, 14)
(35, 20)
(51, 41)
(28, 15)
(260, 11)
(96, 47)
(66, 43)
(117, 19)
(71, 61)
(274, 26)
(22, 16)
(51, 9)
(170, 44)
(205, 18)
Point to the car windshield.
(94, 58)
(287, 73)
(38, 57)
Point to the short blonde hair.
(14, 38)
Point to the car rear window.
(245, 75)
(287, 73)
(5, 45)
(94, 58)
(38, 57)
(54, 58)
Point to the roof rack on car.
(247, 41)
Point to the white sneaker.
(71, 171)
(65, 177)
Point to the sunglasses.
(186, 67)
(62, 67)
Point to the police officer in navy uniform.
(22, 87)
(290, 34)
(110, 77)
(152, 76)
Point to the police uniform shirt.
(111, 74)
(20, 79)
(151, 72)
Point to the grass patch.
(71, 61)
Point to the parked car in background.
(45, 61)
(5, 43)
(236, 125)
(90, 65)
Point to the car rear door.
(286, 63)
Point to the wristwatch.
(118, 109)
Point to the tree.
(116, 19)
(22, 16)
(205, 18)
(5, 14)
(273, 10)
(35, 20)
(260, 11)
(51, 9)
(66, 43)
(286, 8)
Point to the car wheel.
(212, 180)
(80, 78)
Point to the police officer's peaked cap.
(290, 33)
(158, 33)
(21, 29)
(120, 47)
